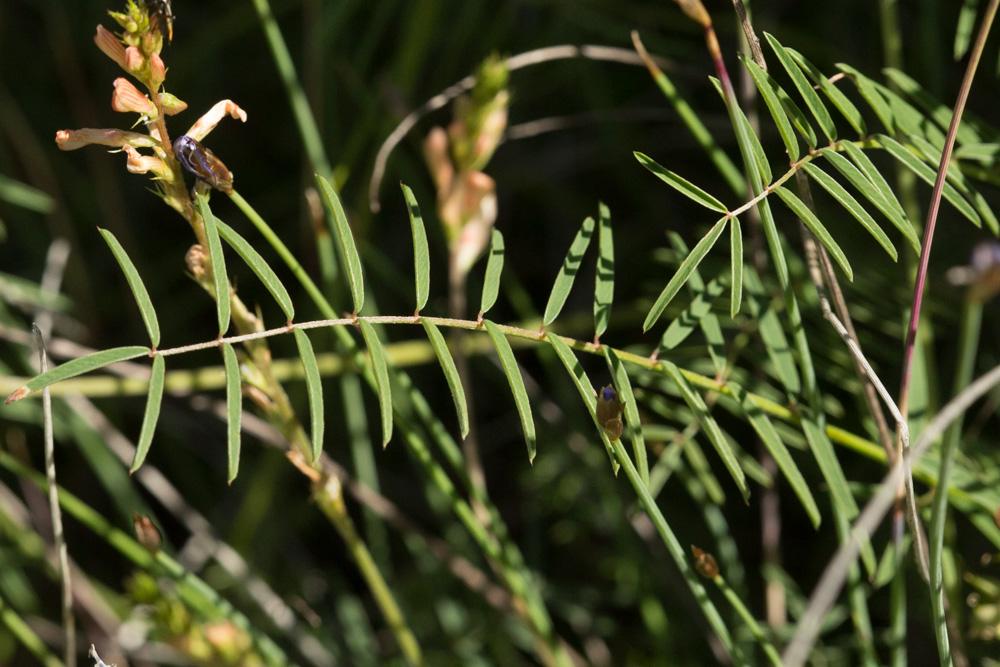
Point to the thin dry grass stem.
(55, 513)
(515, 62)
(828, 588)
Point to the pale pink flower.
(128, 99)
(220, 110)
(477, 201)
(138, 163)
(110, 45)
(157, 71)
(70, 140)
(134, 60)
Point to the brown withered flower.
(704, 563)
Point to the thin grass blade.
(220, 279)
(633, 422)
(314, 388)
(154, 400)
(809, 219)
(845, 199)
(735, 267)
(494, 268)
(567, 272)
(234, 410)
(136, 285)
(586, 390)
(259, 266)
(421, 255)
(711, 428)
(689, 264)
(604, 282)
(451, 375)
(381, 370)
(345, 242)
(679, 183)
(513, 373)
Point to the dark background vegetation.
(364, 65)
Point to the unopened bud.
(704, 563)
(147, 533)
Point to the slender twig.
(58, 536)
(828, 588)
(513, 63)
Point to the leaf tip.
(17, 395)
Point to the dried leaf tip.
(16, 395)
(695, 11)
(704, 563)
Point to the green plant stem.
(191, 589)
(968, 344)
(674, 548)
(331, 503)
(293, 88)
(755, 629)
(26, 636)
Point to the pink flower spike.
(128, 99)
(157, 71)
(207, 123)
(110, 45)
(70, 140)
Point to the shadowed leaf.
(137, 286)
(682, 185)
(259, 266)
(837, 98)
(450, 374)
(345, 242)
(314, 388)
(809, 96)
(154, 399)
(421, 255)
(513, 373)
(767, 87)
(604, 282)
(381, 371)
(494, 267)
(567, 272)
(234, 410)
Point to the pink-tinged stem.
(932, 212)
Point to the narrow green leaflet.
(220, 280)
(23, 195)
(604, 282)
(682, 185)
(871, 94)
(567, 272)
(809, 96)
(154, 399)
(421, 255)
(345, 242)
(822, 450)
(586, 390)
(234, 410)
(874, 193)
(623, 385)
(767, 87)
(736, 267)
(314, 387)
(772, 441)
(939, 112)
(78, 366)
(711, 327)
(845, 199)
(966, 24)
(513, 373)
(259, 266)
(772, 335)
(711, 428)
(382, 386)
(809, 219)
(798, 118)
(689, 264)
(929, 175)
(136, 285)
(844, 105)
(447, 363)
(494, 267)
(699, 307)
